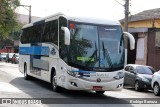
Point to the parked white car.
(156, 83)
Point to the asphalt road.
(13, 85)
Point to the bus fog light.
(74, 84)
(120, 85)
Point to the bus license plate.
(97, 88)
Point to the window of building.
(157, 42)
(140, 48)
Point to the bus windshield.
(96, 46)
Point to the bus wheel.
(55, 87)
(100, 92)
(26, 76)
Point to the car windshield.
(10, 55)
(144, 70)
(3, 55)
(152, 69)
(16, 55)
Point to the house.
(145, 27)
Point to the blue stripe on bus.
(34, 50)
(83, 71)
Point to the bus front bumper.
(80, 84)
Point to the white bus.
(75, 53)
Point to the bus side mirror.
(66, 35)
(131, 39)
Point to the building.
(145, 27)
(24, 19)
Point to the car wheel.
(55, 87)
(26, 76)
(137, 86)
(156, 89)
(100, 92)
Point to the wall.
(144, 23)
(153, 52)
(141, 55)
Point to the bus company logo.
(98, 80)
(53, 51)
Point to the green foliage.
(7, 17)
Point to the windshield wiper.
(120, 44)
(94, 54)
(105, 52)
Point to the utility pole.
(126, 6)
(30, 14)
(29, 6)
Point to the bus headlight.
(119, 75)
(72, 73)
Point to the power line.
(126, 7)
(119, 3)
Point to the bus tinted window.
(25, 36)
(50, 33)
(46, 32)
(35, 33)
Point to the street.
(13, 85)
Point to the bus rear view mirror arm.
(131, 39)
(66, 35)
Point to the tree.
(7, 17)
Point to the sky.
(107, 9)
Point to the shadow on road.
(40, 89)
(141, 91)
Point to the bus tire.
(100, 92)
(54, 85)
(26, 76)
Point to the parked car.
(9, 57)
(0, 57)
(156, 83)
(138, 76)
(15, 58)
(3, 56)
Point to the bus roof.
(82, 19)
